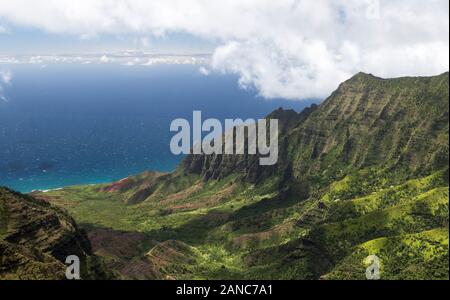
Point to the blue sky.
(23, 40)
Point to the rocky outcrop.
(36, 238)
(366, 121)
(399, 123)
(220, 166)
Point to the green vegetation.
(3, 218)
(416, 256)
(36, 238)
(364, 173)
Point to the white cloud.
(204, 71)
(128, 58)
(148, 63)
(4, 30)
(104, 59)
(5, 77)
(5, 80)
(288, 48)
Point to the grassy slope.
(413, 256)
(245, 234)
(221, 213)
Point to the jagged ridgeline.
(368, 121)
(364, 173)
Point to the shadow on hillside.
(197, 230)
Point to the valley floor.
(227, 229)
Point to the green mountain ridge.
(364, 173)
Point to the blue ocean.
(79, 124)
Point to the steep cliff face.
(36, 238)
(372, 121)
(399, 124)
(220, 166)
(367, 121)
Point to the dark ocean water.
(77, 124)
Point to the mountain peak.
(364, 76)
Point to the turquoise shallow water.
(73, 124)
